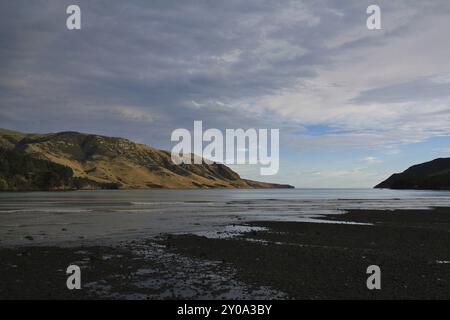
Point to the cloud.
(442, 150)
(134, 114)
(344, 178)
(371, 160)
(155, 56)
(290, 64)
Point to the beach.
(224, 151)
(270, 260)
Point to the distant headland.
(432, 175)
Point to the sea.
(110, 216)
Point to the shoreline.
(275, 260)
(148, 189)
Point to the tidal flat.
(271, 260)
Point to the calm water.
(51, 218)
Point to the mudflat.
(281, 260)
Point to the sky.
(353, 105)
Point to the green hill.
(73, 160)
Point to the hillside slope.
(110, 161)
(432, 175)
(21, 172)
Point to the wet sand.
(285, 260)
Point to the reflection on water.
(49, 218)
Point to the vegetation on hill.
(72, 160)
(21, 172)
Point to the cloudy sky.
(353, 105)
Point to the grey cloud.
(423, 89)
(156, 57)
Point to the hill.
(432, 175)
(97, 161)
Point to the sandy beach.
(277, 260)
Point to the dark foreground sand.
(289, 260)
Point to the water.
(113, 215)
